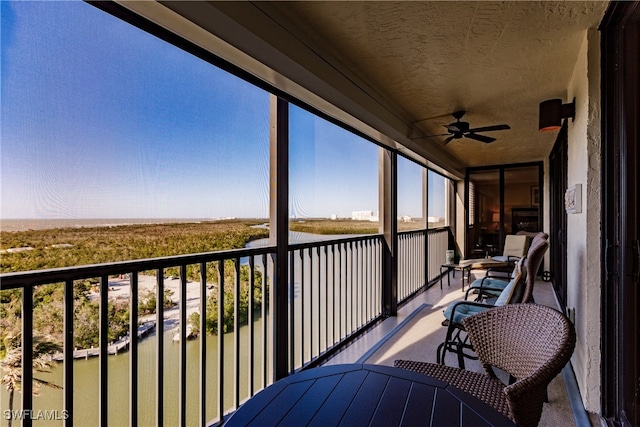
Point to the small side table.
(453, 267)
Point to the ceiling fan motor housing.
(458, 126)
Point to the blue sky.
(101, 120)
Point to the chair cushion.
(509, 292)
(462, 311)
(506, 293)
(491, 282)
(503, 258)
(515, 245)
(496, 284)
(499, 283)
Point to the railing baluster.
(358, 284)
(160, 347)
(375, 261)
(425, 251)
(362, 297)
(416, 255)
(302, 304)
(27, 352)
(374, 278)
(182, 373)
(341, 289)
(236, 334)
(133, 349)
(250, 321)
(352, 288)
(408, 255)
(334, 286)
(319, 304)
(103, 393)
(292, 312)
(401, 270)
(326, 297)
(220, 340)
(369, 280)
(337, 299)
(264, 318)
(411, 254)
(68, 351)
(311, 265)
(379, 258)
(363, 283)
(348, 294)
(203, 344)
(366, 282)
(416, 261)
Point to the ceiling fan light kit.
(552, 111)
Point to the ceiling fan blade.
(481, 138)
(448, 140)
(490, 128)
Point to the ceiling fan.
(458, 130)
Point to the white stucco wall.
(583, 229)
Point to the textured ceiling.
(496, 60)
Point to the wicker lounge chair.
(495, 280)
(515, 247)
(519, 290)
(530, 342)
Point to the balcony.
(333, 298)
(390, 79)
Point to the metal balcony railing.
(336, 293)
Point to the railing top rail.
(422, 230)
(332, 241)
(37, 277)
(53, 275)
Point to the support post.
(388, 163)
(279, 230)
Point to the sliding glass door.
(501, 200)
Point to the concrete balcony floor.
(417, 331)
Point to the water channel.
(86, 393)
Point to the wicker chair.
(521, 291)
(530, 342)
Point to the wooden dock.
(117, 347)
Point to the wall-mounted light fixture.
(552, 112)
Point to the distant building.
(334, 217)
(364, 216)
